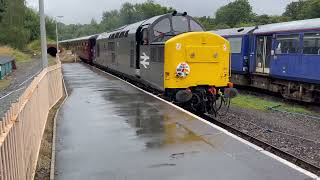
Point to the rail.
(22, 127)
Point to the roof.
(5, 59)
(79, 39)
(132, 28)
(308, 24)
(234, 31)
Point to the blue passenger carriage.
(239, 39)
(281, 57)
(285, 58)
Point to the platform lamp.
(58, 51)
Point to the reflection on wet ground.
(107, 129)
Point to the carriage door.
(263, 54)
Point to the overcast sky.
(82, 11)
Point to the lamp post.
(43, 35)
(58, 51)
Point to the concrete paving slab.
(108, 129)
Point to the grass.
(51, 61)
(4, 83)
(18, 55)
(259, 103)
(35, 46)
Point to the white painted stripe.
(267, 153)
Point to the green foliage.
(293, 10)
(18, 55)
(32, 23)
(303, 9)
(263, 104)
(311, 9)
(3, 5)
(12, 29)
(35, 45)
(239, 11)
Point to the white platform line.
(267, 153)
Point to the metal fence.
(22, 127)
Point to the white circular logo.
(183, 70)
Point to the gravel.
(18, 84)
(295, 134)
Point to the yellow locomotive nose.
(195, 59)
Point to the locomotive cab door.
(263, 54)
(149, 58)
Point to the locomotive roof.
(308, 24)
(234, 31)
(132, 28)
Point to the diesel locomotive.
(171, 53)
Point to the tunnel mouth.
(52, 51)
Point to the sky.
(82, 11)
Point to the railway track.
(266, 146)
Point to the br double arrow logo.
(144, 61)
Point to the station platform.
(110, 130)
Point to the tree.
(294, 10)
(149, 9)
(239, 11)
(303, 9)
(3, 5)
(32, 23)
(311, 9)
(14, 33)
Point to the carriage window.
(235, 44)
(287, 44)
(180, 24)
(195, 26)
(311, 43)
(162, 27)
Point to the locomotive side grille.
(153, 54)
(160, 54)
(157, 54)
(111, 46)
(113, 57)
(131, 58)
(131, 53)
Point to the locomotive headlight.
(183, 70)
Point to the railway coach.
(281, 57)
(83, 47)
(173, 54)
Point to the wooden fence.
(22, 127)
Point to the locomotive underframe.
(202, 101)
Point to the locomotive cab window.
(194, 26)
(287, 44)
(311, 43)
(236, 44)
(145, 37)
(161, 29)
(180, 24)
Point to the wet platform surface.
(110, 130)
